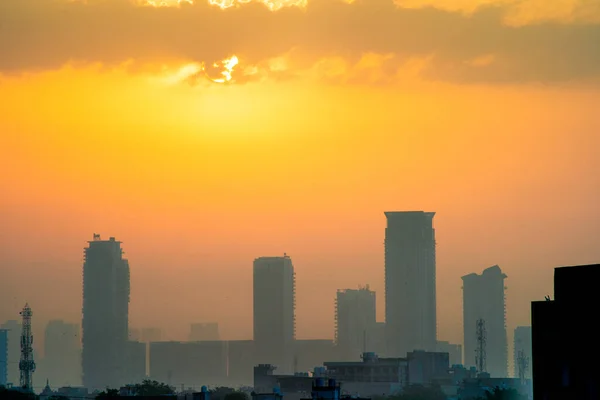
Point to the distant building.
(204, 331)
(135, 334)
(134, 370)
(105, 314)
(425, 366)
(522, 348)
(565, 353)
(309, 353)
(240, 363)
(3, 357)
(355, 321)
(410, 297)
(483, 298)
(14, 350)
(274, 311)
(454, 351)
(62, 354)
(372, 376)
(191, 364)
(151, 335)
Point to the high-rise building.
(355, 322)
(3, 357)
(13, 328)
(274, 311)
(62, 356)
(483, 299)
(410, 301)
(204, 331)
(105, 313)
(522, 351)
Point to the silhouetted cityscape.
(367, 358)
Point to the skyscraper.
(62, 357)
(3, 357)
(410, 301)
(105, 313)
(274, 306)
(355, 320)
(483, 298)
(13, 328)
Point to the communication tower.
(26, 364)
(522, 365)
(480, 357)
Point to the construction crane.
(480, 358)
(26, 365)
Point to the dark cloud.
(42, 34)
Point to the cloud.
(459, 47)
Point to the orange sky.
(335, 113)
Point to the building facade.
(483, 299)
(105, 314)
(13, 328)
(410, 282)
(3, 357)
(454, 351)
(355, 322)
(62, 354)
(274, 311)
(522, 351)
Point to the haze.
(484, 112)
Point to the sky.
(206, 135)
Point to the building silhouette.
(522, 347)
(410, 269)
(565, 353)
(355, 321)
(3, 357)
(483, 298)
(204, 331)
(105, 314)
(13, 328)
(62, 355)
(274, 311)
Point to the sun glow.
(226, 67)
(272, 5)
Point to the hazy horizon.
(485, 112)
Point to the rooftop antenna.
(480, 357)
(26, 364)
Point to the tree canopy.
(504, 394)
(153, 388)
(420, 392)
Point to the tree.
(108, 394)
(236, 395)
(420, 392)
(504, 394)
(153, 388)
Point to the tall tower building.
(410, 301)
(105, 314)
(355, 321)
(62, 357)
(483, 298)
(3, 357)
(274, 311)
(13, 328)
